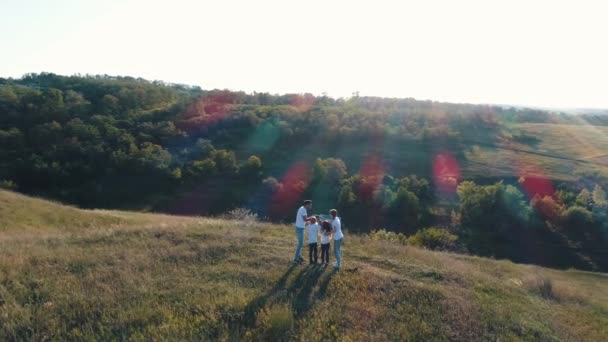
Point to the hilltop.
(67, 274)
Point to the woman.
(338, 237)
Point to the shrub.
(244, 215)
(8, 185)
(434, 238)
(383, 234)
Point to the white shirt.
(313, 231)
(299, 220)
(325, 238)
(337, 228)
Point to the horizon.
(541, 55)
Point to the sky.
(534, 52)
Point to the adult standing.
(301, 218)
(336, 226)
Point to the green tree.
(252, 167)
(200, 168)
(225, 161)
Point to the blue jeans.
(338, 251)
(300, 235)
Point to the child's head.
(313, 220)
(326, 225)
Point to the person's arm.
(304, 216)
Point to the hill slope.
(559, 152)
(103, 274)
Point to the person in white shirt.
(301, 218)
(325, 242)
(313, 232)
(338, 237)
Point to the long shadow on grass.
(304, 298)
(255, 305)
(299, 293)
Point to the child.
(313, 231)
(325, 242)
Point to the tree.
(514, 201)
(225, 161)
(548, 208)
(46, 134)
(407, 210)
(584, 199)
(577, 219)
(489, 216)
(52, 105)
(110, 104)
(600, 205)
(599, 196)
(252, 168)
(75, 103)
(200, 168)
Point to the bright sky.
(533, 52)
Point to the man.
(336, 226)
(301, 218)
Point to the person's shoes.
(336, 266)
(301, 259)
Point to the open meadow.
(70, 274)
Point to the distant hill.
(72, 274)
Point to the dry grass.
(578, 141)
(560, 151)
(148, 277)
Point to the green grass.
(70, 274)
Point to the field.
(70, 274)
(555, 151)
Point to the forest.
(392, 167)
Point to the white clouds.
(547, 53)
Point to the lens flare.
(302, 102)
(206, 111)
(537, 186)
(372, 171)
(533, 180)
(293, 184)
(446, 172)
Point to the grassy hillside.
(69, 274)
(554, 151)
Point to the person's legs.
(310, 252)
(338, 252)
(325, 253)
(300, 236)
